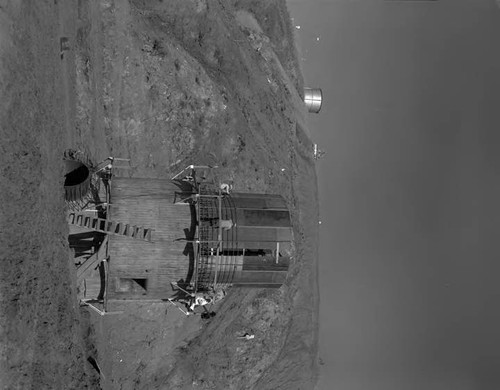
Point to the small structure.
(140, 238)
(313, 99)
(317, 152)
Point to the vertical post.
(106, 279)
(219, 237)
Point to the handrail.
(219, 237)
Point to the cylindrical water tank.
(312, 99)
(255, 251)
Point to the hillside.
(166, 84)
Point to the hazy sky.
(410, 190)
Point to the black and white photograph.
(249, 194)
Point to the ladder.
(110, 227)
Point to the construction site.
(159, 197)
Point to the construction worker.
(225, 188)
(225, 224)
(194, 301)
(199, 300)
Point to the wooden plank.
(109, 226)
(92, 261)
(263, 218)
(259, 201)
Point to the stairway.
(110, 227)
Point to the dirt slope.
(40, 338)
(166, 84)
(185, 82)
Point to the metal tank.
(244, 240)
(313, 98)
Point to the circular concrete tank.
(313, 98)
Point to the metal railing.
(214, 242)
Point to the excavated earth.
(166, 84)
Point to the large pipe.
(313, 98)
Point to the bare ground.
(167, 84)
(39, 324)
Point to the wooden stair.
(110, 227)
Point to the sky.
(409, 190)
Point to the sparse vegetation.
(165, 84)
